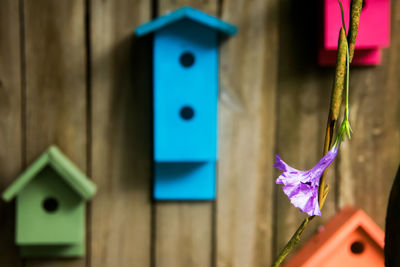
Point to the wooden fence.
(73, 74)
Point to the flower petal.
(302, 186)
(281, 165)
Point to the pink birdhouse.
(373, 32)
(350, 238)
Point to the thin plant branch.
(345, 54)
(336, 101)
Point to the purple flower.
(302, 186)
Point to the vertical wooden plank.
(303, 104)
(55, 86)
(184, 231)
(121, 134)
(208, 6)
(248, 70)
(10, 118)
(183, 234)
(368, 163)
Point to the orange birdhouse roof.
(350, 238)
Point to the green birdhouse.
(51, 200)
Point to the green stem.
(343, 62)
(347, 80)
(345, 127)
(294, 240)
(348, 60)
(336, 101)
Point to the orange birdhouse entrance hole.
(350, 238)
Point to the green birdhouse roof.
(62, 165)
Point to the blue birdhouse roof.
(186, 13)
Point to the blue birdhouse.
(185, 80)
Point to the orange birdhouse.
(350, 238)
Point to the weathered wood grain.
(248, 70)
(10, 122)
(183, 234)
(55, 86)
(303, 105)
(184, 230)
(121, 134)
(208, 6)
(368, 163)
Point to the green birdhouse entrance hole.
(51, 199)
